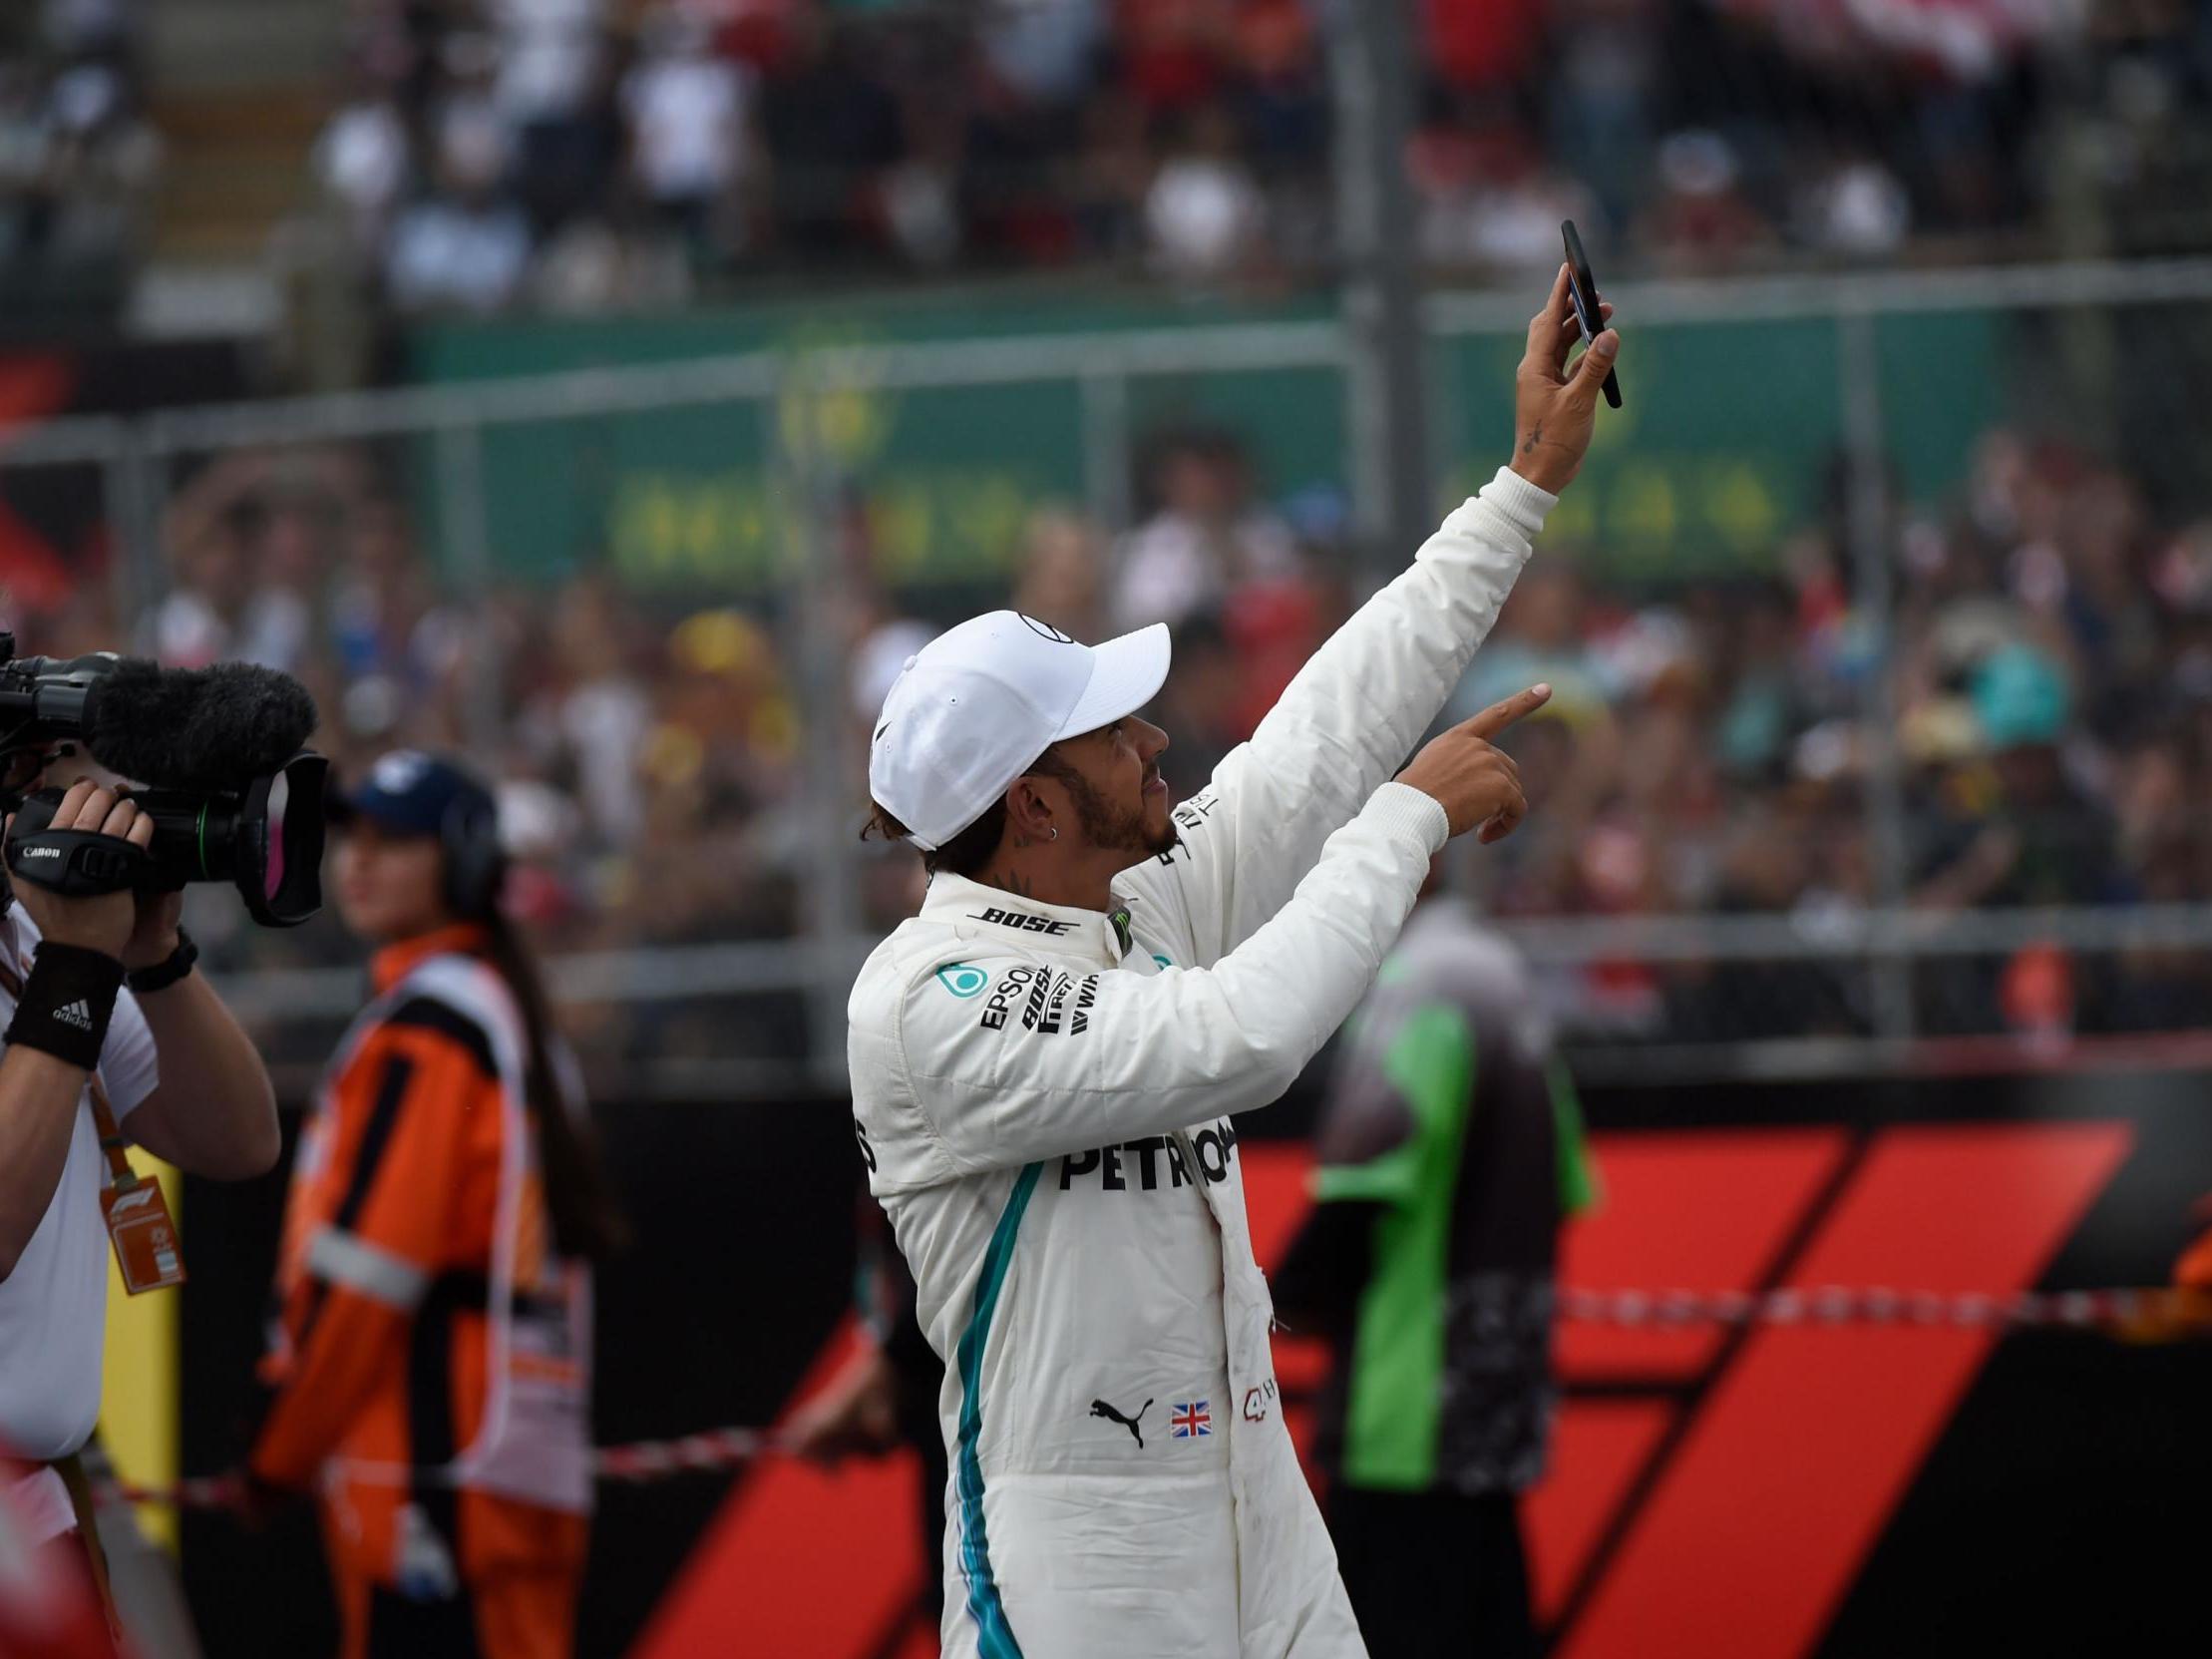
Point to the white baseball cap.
(974, 707)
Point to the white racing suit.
(1043, 1098)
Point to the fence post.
(135, 570)
(1107, 485)
(1867, 517)
(467, 533)
(1373, 75)
(831, 866)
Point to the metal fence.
(1873, 378)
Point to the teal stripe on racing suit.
(994, 1638)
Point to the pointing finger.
(1499, 715)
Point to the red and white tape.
(2155, 1313)
(642, 1460)
(2123, 1312)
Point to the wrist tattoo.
(1535, 437)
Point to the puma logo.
(1099, 1407)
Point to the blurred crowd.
(1711, 750)
(1706, 750)
(77, 156)
(586, 154)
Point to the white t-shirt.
(53, 1307)
(687, 117)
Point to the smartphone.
(1583, 290)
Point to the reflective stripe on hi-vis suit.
(432, 1353)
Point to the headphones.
(476, 863)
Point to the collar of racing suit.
(1096, 936)
(395, 962)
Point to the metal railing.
(132, 455)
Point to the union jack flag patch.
(1188, 1418)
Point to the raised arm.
(1101, 1057)
(1355, 710)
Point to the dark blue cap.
(408, 792)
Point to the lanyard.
(144, 1237)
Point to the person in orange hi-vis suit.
(431, 1366)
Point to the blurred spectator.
(464, 247)
(1203, 212)
(1488, 199)
(1483, 43)
(1206, 534)
(362, 159)
(1856, 209)
(1701, 221)
(2022, 831)
(596, 711)
(1061, 579)
(1450, 1158)
(551, 57)
(690, 131)
(831, 127)
(1043, 51)
(1543, 633)
(228, 604)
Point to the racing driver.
(1047, 1060)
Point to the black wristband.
(144, 981)
(66, 1003)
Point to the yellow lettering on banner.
(668, 530)
(1458, 484)
(898, 517)
(986, 519)
(642, 526)
(703, 541)
(751, 514)
(1576, 516)
(1739, 506)
(138, 1377)
(1641, 504)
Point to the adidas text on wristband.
(66, 1003)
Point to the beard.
(1118, 829)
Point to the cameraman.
(108, 1017)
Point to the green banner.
(1726, 442)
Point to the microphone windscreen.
(196, 728)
